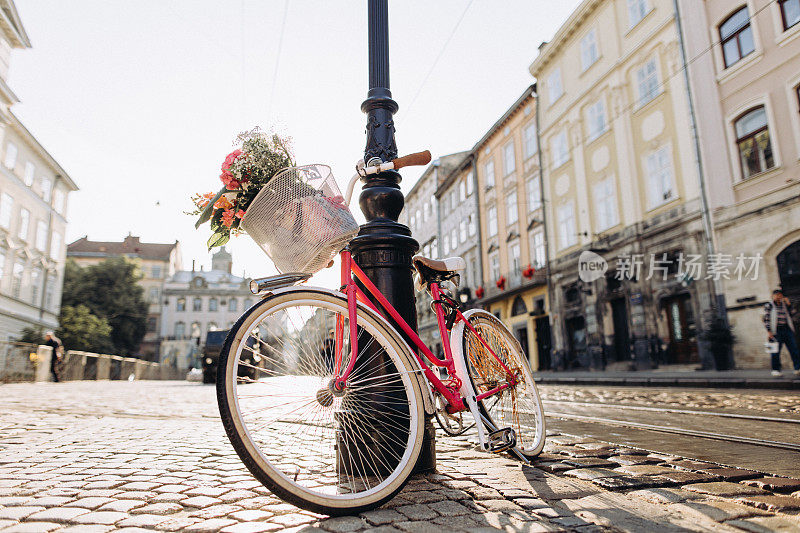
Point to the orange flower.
(223, 203)
(208, 195)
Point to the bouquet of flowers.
(244, 172)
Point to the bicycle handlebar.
(416, 159)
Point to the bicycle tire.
(483, 373)
(262, 462)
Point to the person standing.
(780, 329)
(55, 343)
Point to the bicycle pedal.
(502, 440)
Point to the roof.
(131, 246)
(527, 93)
(548, 49)
(212, 277)
(446, 164)
(11, 25)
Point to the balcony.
(514, 282)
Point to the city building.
(622, 185)
(743, 62)
(421, 215)
(33, 209)
(157, 261)
(512, 228)
(196, 302)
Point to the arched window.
(180, 330)
(151, 324)
(736, 37)
(232, 304)
(518, 307)
(197, 304)
(196, 330)
(180, 305)
(212, 304)
(752, 140)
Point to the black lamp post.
(384, 247)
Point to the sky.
(141, 101)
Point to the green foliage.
(110, 291)
(81, 330)
(32, 335)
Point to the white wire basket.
(300, 219)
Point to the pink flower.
(227, 217)
(240, 213)
(230, 159)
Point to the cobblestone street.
(144, 456)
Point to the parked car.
(212, 349)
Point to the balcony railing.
(515, 280)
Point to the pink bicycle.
(328, 412)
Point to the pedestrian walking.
(55, 343)
(780, 330)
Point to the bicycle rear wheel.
(518, 406)
(325, 451)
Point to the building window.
(589, 53)
(554, 87)
(752, 140)
(41, 235)
(462, 231)
(233, 304)
(567, 232)
(470, 179)
(196, 331)
(537, 246)
(55, 246)
(29, 173)
(180, 304)
(659, 176)
(180, 330)
(426, 211)
(533, 193)
(24, 223)
(36, 284)
(518, 307)
(512, 213)
(491, 221)
(606, 204)
(559, 149)
(454, 238)
(47, 189)
(153, 295)
(790, 12)
(413, 224)
(513, 257)
(462, 191)
(16, 278)
(11, 156)
(488, 173)
(637, 9)
(446, 244)
(531, 144)
(6, 205)
(151, 324)
(736, 37)
(647, 82)
(494, 265)
(596, 119)
(156, 270)
(60, 201)
(197, 304)
(453, 202)
(3, 255)
(471, 226)
(50, 291)
(509, 162)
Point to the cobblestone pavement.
(144, 456)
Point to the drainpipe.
(438, 209)
(550, 291)
(718, 306)
(478, 233)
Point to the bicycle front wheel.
(315, 447)
(518, 406)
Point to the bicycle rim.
(317, 449)
(519, 406)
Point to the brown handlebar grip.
(418, 159)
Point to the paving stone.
(122, 506)
(236, 495)
(416, 512)
(633, 459)
(12, 501)
(18, 513)
(167, 497)
(58, 514)
(99, 517)
(767, 524)
(554, 467)
(200, 501)
(157, 508)
(292, 520)
(680, 478)
(664, 495)
(423, 496)
(719, 511)
(627, 482)
(450, 508)
(483, 493)
(252, 527)
(177, 523)
(206, 491)
(86, 528)
(97, 493)
(381, 517)
(89, 503)
(592, 473)
(732, 474)
(172, 488)
(419, 527)
(587, 462)
(32, 527)
(142, 520)
(777, 484)
(500, 505)
(645, 470)
(209, 526)
(530, 503)
(687, 464)
(772, 503)
(455, 523)
(51, 501)
(343, 524)
(723, 488)
(139, 486)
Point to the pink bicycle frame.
(449, 389)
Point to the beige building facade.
(621, 182)
(33, 209)
(744, 71)
(513, 239)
